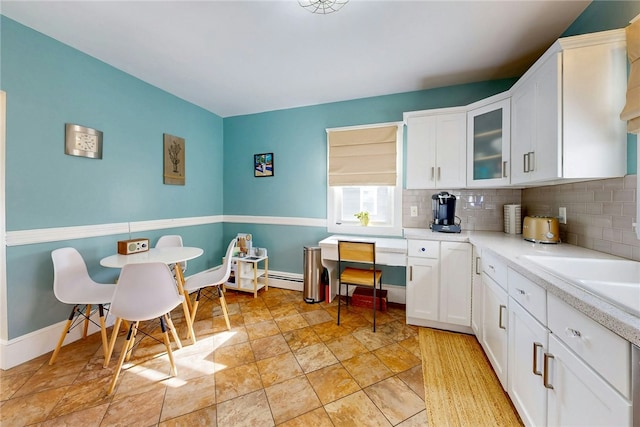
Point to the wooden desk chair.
(362, 253)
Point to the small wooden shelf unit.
(247, 274)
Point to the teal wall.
(297, 137)
(49, 84)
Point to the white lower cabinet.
(455, 283)
(422, 289)
(578, 396)
(439, 285)
(528, 341)
(494, 327)
(476, 293)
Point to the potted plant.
(363, 217)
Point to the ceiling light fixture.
(322, 7)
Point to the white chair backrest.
(145, 291)
(226, 266)
(169, 241)
(69, 274)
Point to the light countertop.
(511, 247)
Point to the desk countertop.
(383, 244)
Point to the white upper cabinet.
(488, 138)
(436, 142)
(565, 112)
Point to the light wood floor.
(461, 388)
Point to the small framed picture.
(263, 164)
(174, 168)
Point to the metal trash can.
(313, 275)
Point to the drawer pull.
(573, 333)
(545, 377)
(536, 345)
(500, 325)
(520, 291)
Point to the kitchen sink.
(616, 280)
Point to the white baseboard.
(34, 344)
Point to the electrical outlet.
(414, 211)
(562, 217)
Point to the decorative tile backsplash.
(478, 209)
(599, 213)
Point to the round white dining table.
(168, 255)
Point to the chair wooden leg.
(174, 333)
(186, 303)
(194, 307)
(112, 342)
(223, 305)
(116, 373)
(103, 331)
(65, 331)
(132, 341)
(167, 344)
(87, 313)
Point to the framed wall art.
(263, 164)
(174, 167)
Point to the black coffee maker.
(444, 213)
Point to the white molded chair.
(213, 278)
(144, 292)
(172, 241)
(73, 285)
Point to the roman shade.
(363, 156)
(631, 111)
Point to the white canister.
(513, 219)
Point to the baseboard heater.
(294, 282)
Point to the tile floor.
(283, 363)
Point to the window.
(365, 174)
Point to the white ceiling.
(240, 57)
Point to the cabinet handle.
(500, 325)
(525, 163)
(439, 174)
(545, 377)
(573, 333)
(532, 161)
(520, 291)
(411, 273)
(477, 264)
(536, 345)
(504, 169)
(433, 173)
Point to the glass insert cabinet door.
(488, 130)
